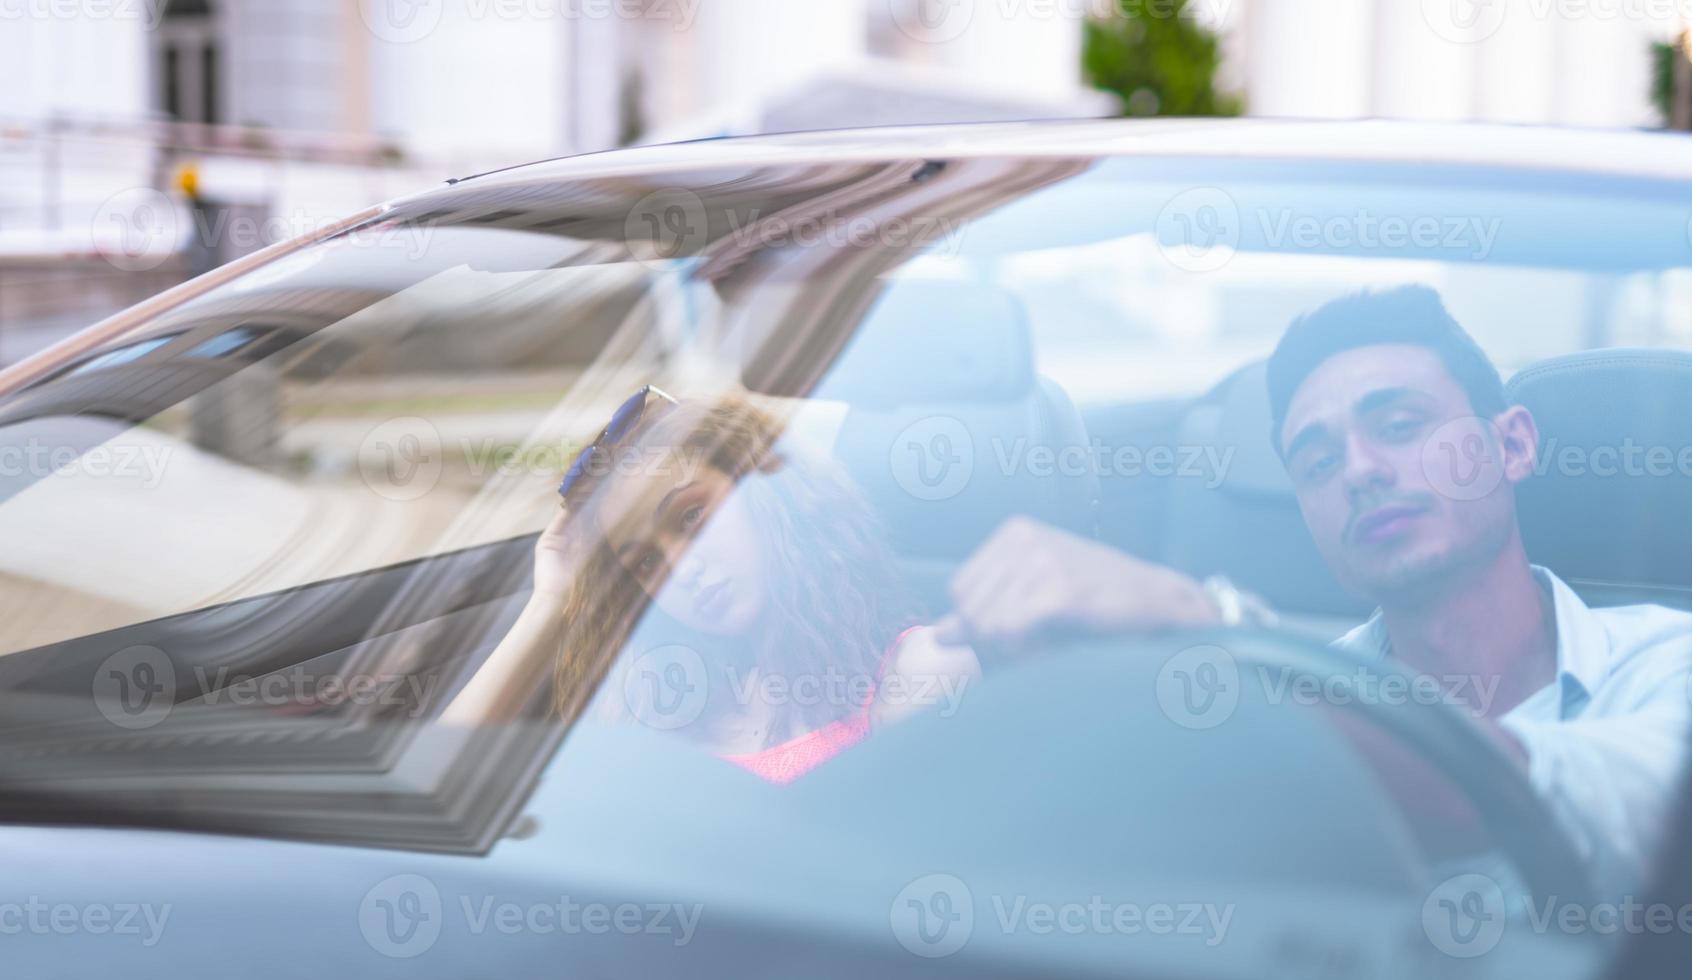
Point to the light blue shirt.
(1607, 739)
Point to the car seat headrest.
(1608, 502)
(935, 341)
(1243, 429)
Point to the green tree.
(1662, 79)
(1671, 83)
(1157, 59)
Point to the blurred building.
(1559, 62)
(457, 85)
(296, 112)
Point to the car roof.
(1658, 156)
(1634, 153)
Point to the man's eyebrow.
(1309, 434)
(1374, 401)
(1385, 397)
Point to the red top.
(797, 756)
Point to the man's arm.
(1030, 578)
(1612, 780)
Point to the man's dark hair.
(1405, 315)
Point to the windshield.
(291, 524)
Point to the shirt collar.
(1583, 645)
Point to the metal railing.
(57, 169)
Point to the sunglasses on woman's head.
(623, 421)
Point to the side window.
(433, 419)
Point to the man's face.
(1401, 486)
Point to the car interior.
(960, 351)
(912, 350)
(972, 363)
(1606, 534)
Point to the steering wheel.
(1527, 832)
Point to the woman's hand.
(554, 555)
(500, 688)
(923, 674)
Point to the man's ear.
(1518, 437)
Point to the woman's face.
(686, 537)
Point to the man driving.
(1592, 703)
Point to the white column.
(594, 72)
(1418, 73)
(274, 64)
(1232, 21)
(53, 181)
(84, 65)
(1603, 72)
(1030, 50)
(1310, 58)
(1516, 69)
(747, 50)
(484, 82)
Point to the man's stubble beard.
(1420, 579)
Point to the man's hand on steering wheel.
(1031, 579)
